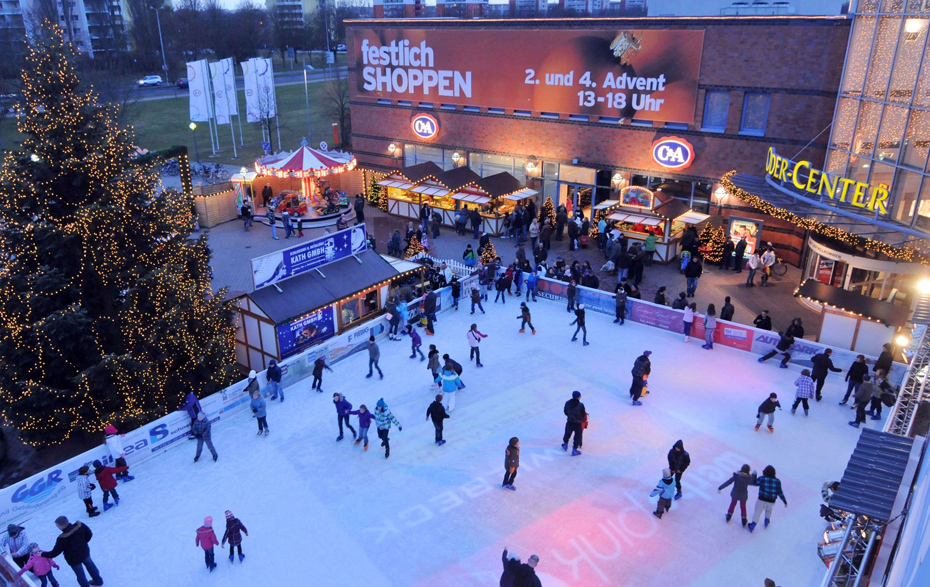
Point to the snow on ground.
(329, 514)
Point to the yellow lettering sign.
(796, 176)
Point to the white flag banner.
(229, 75)
(219, 93)
(201, 106)
(250, 79)
(265, 74)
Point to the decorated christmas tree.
(547, 212)
(594, 232)
(488, 254)
(106, 308)
(374, 190)
(712, 239)
(382, 200)
(413, 248)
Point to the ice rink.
(328, 514)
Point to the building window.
(676, 126)
(641, 123)
(755, 114)
(716, 105)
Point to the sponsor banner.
(595, 300)
(303, 332)
(264, 82)
(220, 104)
(250, 85)
(627, 73)
(229, 79)
(656, 316)
(307, 256)
(198, 79)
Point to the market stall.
(401, 200)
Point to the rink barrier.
(10, 576)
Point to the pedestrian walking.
(710, 325)
(259, 413)
(267, 194)
(202, 432)
(805, 391)
(763, 321)
(192, 407)
(233, 534)
(343, 408)
(823, 364)
(570, 292)
(620, 298)
(642, 367)
(785, 342)
(665, 490)
(687, 320)
(115, 445)
(726, 312)
(861, 400)
(767, 410)
(474, 339)
(359, 207)
(854, 377)
(579, 320)
(769, 492)
(246, 212)
(107, 482)
(437, 413)
(206, 539)
(415, 343)
(273, 375)
(767, 261)
(526, 318)
(318, 365)
(753, 265)
(286, 222)
(511, 463)
(73, 543)
(383, 420)
(271, 223)
(678, 461)
(693, 272)
(429, 310)
(738, 252)
(364, 423)
(727, 258)
(40, 566)
(741, 481)
(16, 542)
(576, 418)
(85, 491)
(374, 355)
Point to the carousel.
(314, 200)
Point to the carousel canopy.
(306, 162)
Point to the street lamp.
(193, 127)
(164, 62)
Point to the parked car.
(182, 84)
(150, 80)
(340, 47)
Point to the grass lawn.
(160, 124)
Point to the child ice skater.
(206, 539)
(40, 566)
(525, 316)
(415, 343)
(107, 482)
(740, 480)
(511, 463)
(364, 423)
(259, 413)
(433, 365)
(383, 419)
(115, 444)
(449, 380)
(665, 489)
(85, 489)
(233, 535)
(767, 410)
(805, 391)
(769, 491)
(318, 367)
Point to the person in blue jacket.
(343, 409)
(531, 285)
(364, 423)
(450, 382)
(273, 374)
(665, 489)
(258, 412)
(192, 407)
(383, 419)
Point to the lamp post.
(161, 41)
(193, 127)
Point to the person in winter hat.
(107, 482)
(576, 415)
(621, 300)
(16, 542)
(862, 399)
(273, 375)
(474, 339)
(740, 480)
(769, 491)
(854, 377)
(437, 413)
(202, 431)
(511, 463)
(415, 343)
(85, 489)
(259, 413)
(476, 299)
(579, 320)
(40, 566)
(642, 367)
(73, 543)
(343, 407)
(450, 382)
(433, 363)
(383, 420)
(374, 355)
(665, 489)
(364, 423)
(318, 365)
(192, 407)
(767, 410)
(805, 391)
(527, 319)
(678, 461)
(115, 444)
(206, 539)
(233, 534)
(251, 386)
(511, 563)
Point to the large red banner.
(638, 74)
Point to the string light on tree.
(488, 254)
(547, 212)
(414, 248)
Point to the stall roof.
(852, 302)
(607, 204)
(692, 217)
(500, 184)
(521, 194)
(395, 183)
(310, 291)
(671, 209)
(430, 190)
(420, 171)
(459, 177)
(471, 198)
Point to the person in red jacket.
(206, 539)
(107, 482)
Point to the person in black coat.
(320, 363)
(680, 302)
(727, 311)
(822, 365)
(526, 575)
(885, 359)
(854, 377)
(795, 329)
(579, 320)
(784, 343)
(678, 461)
(561, 217)
(763, 321)
(727, 255)
(437, 413)
(570, 292)
(575, 412)
(267, 195)
(73, 543)
(511, 564)
(429, 310)
(738, 253)
(359, 209)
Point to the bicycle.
(171, 168)
(780, 268)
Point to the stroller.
(685, 259)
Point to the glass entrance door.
(576, 197)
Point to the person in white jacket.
(753, 265)
(115, 444)
(767, 261)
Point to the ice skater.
(415, 343)
(805, 391)
(251, 386)
(621, 300)
(107, 482)
(40, 566)
(511, 564)
(531, 280)
(642, 367)
(457, 367)
(273, 376)
(364, 423)
(687, 320)
(511, 463)
(233, 534)
(678, 461)
(476, 299)
(854, 377)
(740, 480)
(785, 342)
(456, 291)
(115, 444)
(576, 416)
(433, 363)
(374, 355)
(823, 364)
(343, 408)
(16, 542)
(450, 382)
(259, 413)
(202, 432)
(85, 491)
(437, 413)
(579, 320)
(206, 539)
(192, 407)
(318, 367)
(665, 489)
(710, 325)
(769, 492)
(525, 316)
(474, 339)
(501, 287)
(767, 410)
(383, 420)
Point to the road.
(282, 78)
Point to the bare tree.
(336, 98)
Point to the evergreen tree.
(106, 307)
(488, 254)
(414, 248)
(712, 239)
(547, 212)
(374, 190)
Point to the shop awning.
(431, 190)
(606, 204)
(500, 185)
(420, 171)
(850, 301)
(396, 183)
(692, 217)
(471, 198)
(521, 194)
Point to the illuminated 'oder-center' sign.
(820, 183)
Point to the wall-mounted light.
(392, 148)
(913, 27)
(720, 193)
(243, 171)
(618, 179)
(532, 164)
(902, 340)
(456, 157)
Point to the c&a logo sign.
(425, 126)
(672, 153)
